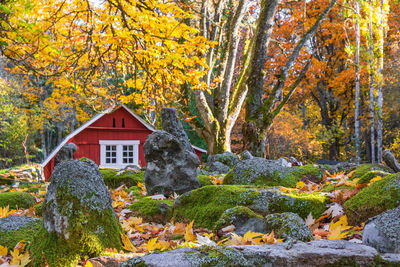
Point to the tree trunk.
(357, 89)
(371, 84)
(380, 85)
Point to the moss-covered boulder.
(378, 197)
(205, 205)
(16, 228)
(38, 209)
(152, 210)
(114, 178)
(244, 220)
(5, 180)
(16, 200)
(363, 169)
(274, 201)
(78, 217)
(288, 225)
(259, 171)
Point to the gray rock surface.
(65, 153)
(171, 124)
(288, 225)
(315, 253)
(383, 231)
(390, 160)
(243, 219)
(12, 223)
(217, 167)
(170, 166)
(227, 158)
(249, 170)
(76, 188)
(247, 155)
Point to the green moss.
(11, 238)
(90, 229)
(38, 209)
(367, 177)
(16, 200)
(135, 191)
(154, 210)
(205, 205)
(238, 213)
(274, 201)
(374, 199)
(332, 187)
(303, 204)
(129, 178)
(5, 180)
(204, 179)
(228, 179)
(365, 168)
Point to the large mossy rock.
(288, 225)
(114, 178)
(265, 172)
(16, 200)
(258, 171)
(378, 197)
(274, 201)
(206, 204)
(78, 217)
(220, 163)
(16, 228)
(383, 232)
(170, 167)
(363, 169)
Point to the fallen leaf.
(3, 251)
(337, 229)
(335, 210)
(189, 236)
(127, 244)
(269, 238)
(152, 244)
(88, 264)
(229, 228)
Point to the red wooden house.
(112, 139)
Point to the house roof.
(94, 119)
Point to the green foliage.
(374, 199)
(153, 210)
(129, 178)
(38, 209)
(16, 200)
(10, 238)
(205, 205)
(367, 177)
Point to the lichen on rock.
(16, 228)
(288, 225)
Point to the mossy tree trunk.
(261, 112)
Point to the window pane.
(114, 160)
(107, 160)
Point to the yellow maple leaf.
(189, 236)
(19, 259)
(269, 238)
(3, 251)
(254, 237)
(143, 190)
(152, 244)
(300, 184)
(127, 244)
(88, 264)
(337, 230)
(4, 212)
(377, 178)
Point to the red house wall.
(103, 129)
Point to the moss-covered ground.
(374, 199)
(16, 200)
(11, 238)
(361, 170)
(153, 210)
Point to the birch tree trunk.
(380, 84)
(357, 89)
(371, 83)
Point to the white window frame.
(119, 143)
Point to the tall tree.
(357, 85)
(370, 43)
